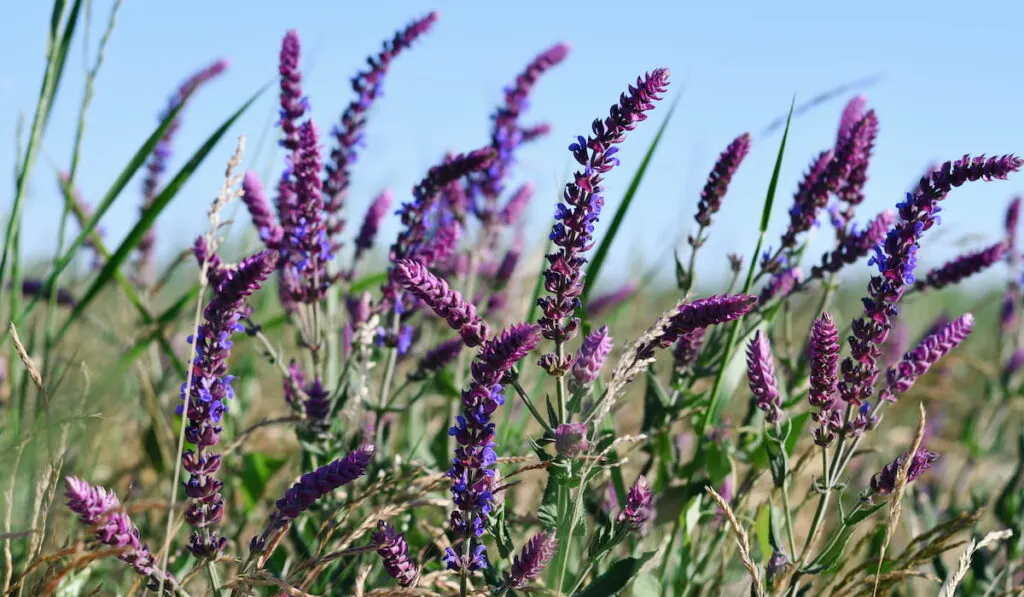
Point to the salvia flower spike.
(855, 245)
(915, 363)
(350, 131)
(208, 394)
(535, 556)
(964, 266)
(394, 552)
(472, 472)
(371, 223)
(823, 349)
(260, 211)
(100, 510)
(573, 233)
(761, 378)
(718, 181)
(639, 505)
(896, 258)
(316, 484)
(293, 104)
(449, 305)
(884, 482)
(700, 314)
(590, 359)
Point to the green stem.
(529, 404)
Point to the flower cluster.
(438, 358)
(472, 471)
(687, 349)
(699, 314)
(447, 303)
(157, 163)
(855, 244)
(590, 359)
(896, 258)
(781, 284)
(348, 134)
(964, 266)
(208, 391)
(639, 505)
(371, 224)
(761, 378)
(916, 362)
(394, 551)
(884, 481)
(573, 232)
(293, 105)
(823, 354)
(536, 555)
(315, 485)
(719, 179)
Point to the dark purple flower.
(293, 103)
(571, 439)
(447, 303)
(371, 223)
(718, 181)
(855, 245)
(862, 139)
(896, 258)
(964, 266)
(35, 287)
(1013, 364)
(157, 163)
(394, 551)
(761, 378)
(350, 131)
(209, 390)
(506, 134)
(472, 472)
(687, 349)
(315, 485)
(590, 359)
(699, 314)
(304, 247)
(806, 201)
(413, 214)
(852, 113)
(573, 231)
(1008, 312)
(605, 302)
(536, 555)
(916, 362)
(1012, 222)
(100, 510)
(438, 357)
(263, 218)
(639, 505)
(516, 205)
(508, 264)
(823, 354)
(884, 482)
(781, 284)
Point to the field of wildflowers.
(466, 417)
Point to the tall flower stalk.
(572, 234)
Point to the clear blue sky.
(949, 85)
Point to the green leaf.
(647, 585)
(149, 217)
(620, 214)
(616, 578)
(763, 529)
(257, 469)
(548, 510)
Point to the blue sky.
(948, 86)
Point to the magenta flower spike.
(293, 104)
(855, 245)
(572, 234)
(823, 354)
(781, 284)
(703, 313)
(260, 211)
(916, 363)
(963, 267)
(720, 177)
(349, 133)
(315, 485)
(639, 505)
(438, 296)
(371, 223)
(687, 349)
(590, 359)
(571, 439)
(394, 552)
(535, 556)
(884, 482)
(761, 378)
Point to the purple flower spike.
(35, 287)
(781, 284)
(293, 104)
(506, 134)
(705, 312)
(964, 266)
(639, 505)
(315, 485)
(394, 551)
(855, 245)
(852, 113)
(259, 209)
(807, 201)
(371, 223)
(447, 303)
(720, 177)
(438, 358)
(761, 378)
(573, 233)
(605, 302)
(1012, 222)
(157, 164)
(536, 555)
(413, 236)
(861, 139)
(350, 131)
(590, 359)
(884, 482)
(687, 349)
(472, 472)
(516, 205)
(823, 349)
(571, 439)
(896, 258)
(209, 392)
(304, 248)
(916, 362)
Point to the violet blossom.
(371, 223)
(964, 266)
(590, 359)
(884, 482)
(855, 244)
(449, 305)
(718, 181)
(394, 552)
(761, 378)
(915, 363)
(535, 556)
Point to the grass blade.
(620, 213)
(149, 216)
